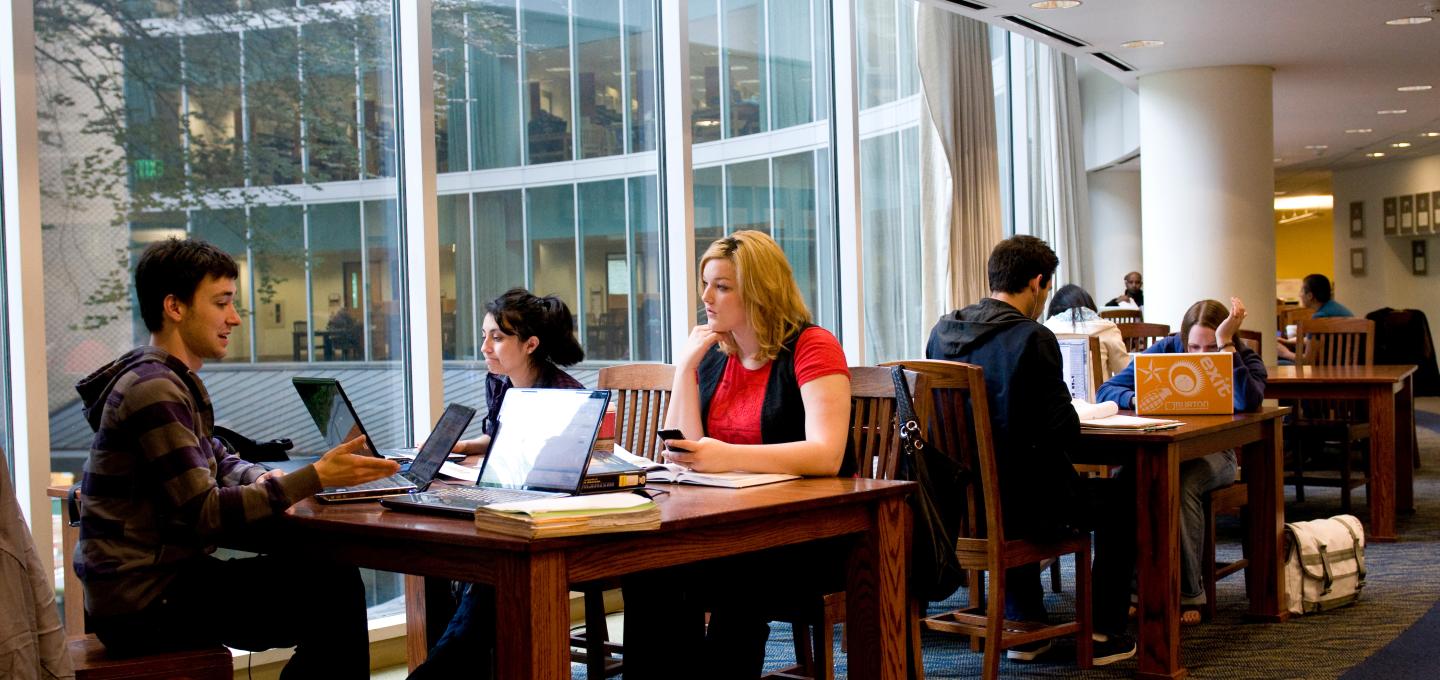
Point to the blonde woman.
(757, 388)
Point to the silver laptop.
(338, 421)
(427, 464)
(541, 449)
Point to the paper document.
(1089, 411)
(461, 472)
(674, 473)
(591, 503)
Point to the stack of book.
(570, 516)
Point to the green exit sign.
(147, 168)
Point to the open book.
(570, 515)
(1105, 416)
(674, 473)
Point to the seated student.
(1072, 310)
(159, 492)
(1314, 293)
(757, 388)
(1033, 425)
(1206, 327)
(1134, 295)
(527, 339)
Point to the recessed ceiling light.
(1055, 4)
(1413, 88)
(1401, 145)
(1358, 131)
(1408, 21)
(1277, 160)
(1430, 134)
(1388, 112)
(1317, 147)
(1376, 154)
(1309, 202)
(1134, 44)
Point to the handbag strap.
(905, 408)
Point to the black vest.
(782, 417)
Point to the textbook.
(570, 515)
(1105, 416)
(674, 473)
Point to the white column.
(1114, 233)
(24, 274)
(675, 162)
(1207, 192)
(418, 206)
(846, 116)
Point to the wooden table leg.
(534, 641)
(875, 594)
(1263, 463)
(1405, 443)
(1380, 489)
(417, 639)
(1157, 497)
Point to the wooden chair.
(1332, 342)
(1227, 500)
(1122, 315)
(1139, 336)
(873, 446)
(983, 546)
(1252, 339)
(641, 393)
(88, 655)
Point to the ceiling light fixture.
(1413, 88)
(1401, 145)
(1317, 147)
(1055, 4)
(1375, 154)
(1358, 131)
(1430, 134)
(1311, 202)
(1299, 217)
(1136, 44)
(1408, 21)
(1391, 112)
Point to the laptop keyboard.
(391, 482)
(489, 495)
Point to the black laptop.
(338, 421)
(541, 449)
(427, 464)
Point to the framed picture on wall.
(1357, 219)
(1418, 263)
(1435, 212)
(1357, 261)
(1407, 214)
(1392, 220)
(1422, 213)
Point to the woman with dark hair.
(1072, 310)
(1206, 327)
(527, 339)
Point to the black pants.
(254, 603)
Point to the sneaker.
(1111, 648)
(1029, 651)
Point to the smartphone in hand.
(671, 433)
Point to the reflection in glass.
(377, 78)
(790, 54)
(647, 269)
(704, 71)
(213, 88)
(277, 243)
(640, 68)
(745, 63)
(452, 151)
(500, 242)
(747, 196)
(599, 81)
(877, 36)
(890, 242)
(226, 228)
(795, 221)
(384, 292)
(551, 212)
(709, 213)
(605, 278)
(457, 278)
(336, 284)
(273, 88)
(332, 123)
(494, 83)
(546, 29)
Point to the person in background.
(1133, 296)
(1207, 326)
(757, 388)
(1072, 310)
(159, 493)
(1316, 294)
(527, 339)
(1034, 426)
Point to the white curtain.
(959, 162)
(1058, 195)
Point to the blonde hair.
(767, 287)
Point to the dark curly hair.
(523, 314)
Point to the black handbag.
(937, 505)
(252, 451)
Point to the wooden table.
(1389, 392)
(1157, 457)
(531, 577)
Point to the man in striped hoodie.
(159, 493)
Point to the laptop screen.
(544, 439)
(331, 411)
(437, 446)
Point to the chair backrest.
(1122, 315)
(641, 393)
(1139, 336)
(872, 444)
(1252, 339)
(1336, 342)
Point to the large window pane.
(745, 67)
(890, 244)
(747, 196)
(647, 270)
(333, 116)
(605, 276)
(336, 284)
(640, 69)
(494, 83)
(551, 212)
(790, 68)
(599, 93)
(451, 131)
(227, 228)
(704, 71)
(274, 118)
(546, 27)
(457, 278)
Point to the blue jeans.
(1197, 478)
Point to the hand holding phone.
(668, 434)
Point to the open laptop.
(1199, 383)
(427, 464)
(541, 449)
(338, 421)
(1078, 364)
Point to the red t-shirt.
(739, 398)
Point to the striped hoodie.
(158, 489)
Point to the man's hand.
(343, 466)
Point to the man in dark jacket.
(1034, 424)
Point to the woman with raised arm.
(757, 388)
